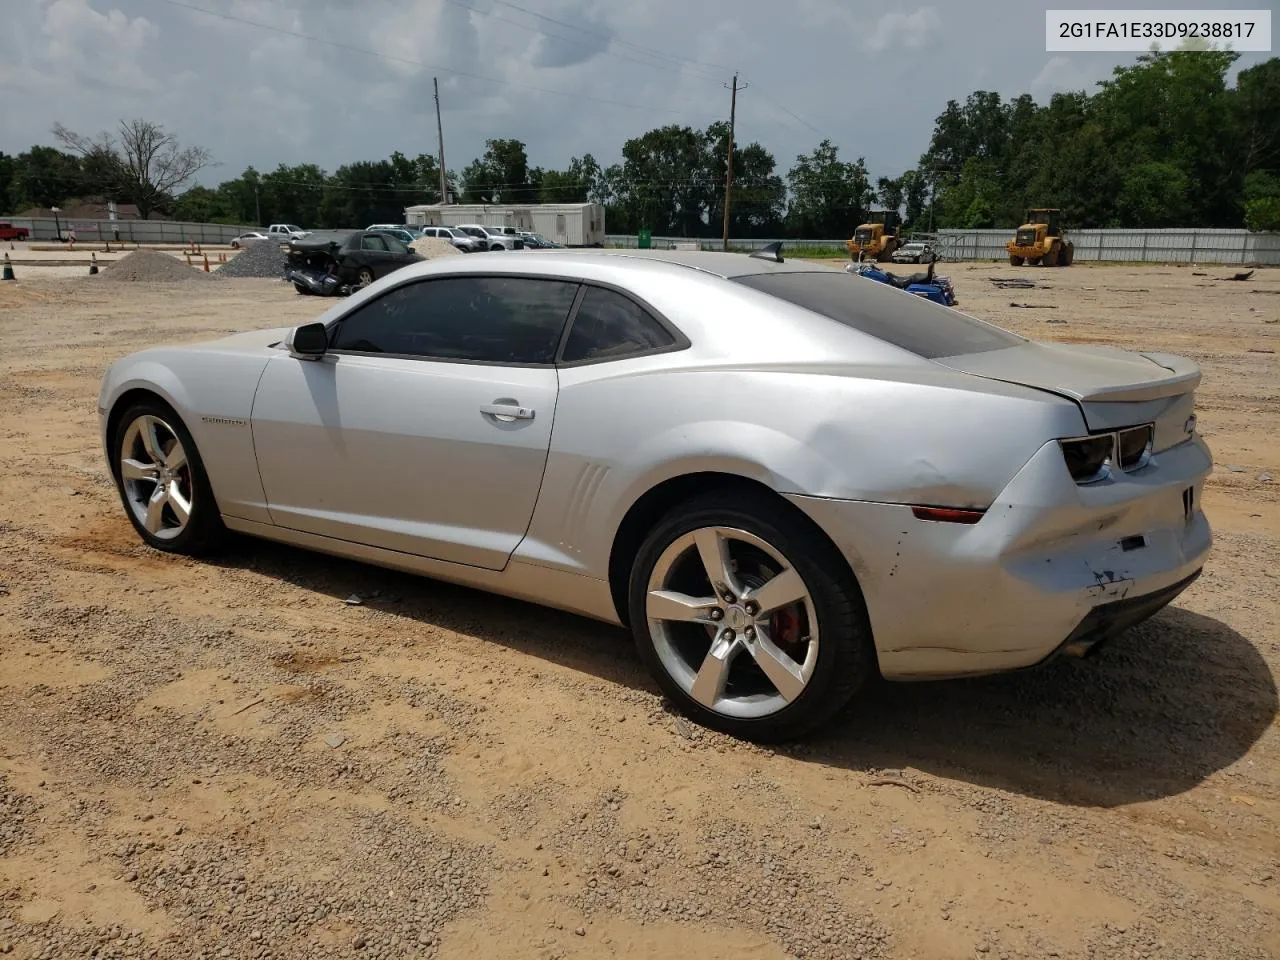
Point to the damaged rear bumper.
(1052, 567)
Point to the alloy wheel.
(732, 622)
(156, 477)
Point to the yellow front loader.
(1041, 240)
(875, 240)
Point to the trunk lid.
(1113, 388)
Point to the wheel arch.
(661, 498)
(126, 399)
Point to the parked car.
(913, 253)
(252, 235)
(781, 477)
(400, 233)
(463, 241)
(495, 238)
(9, 232)
(538, 241)
(353, 259)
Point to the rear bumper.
(1052, 566)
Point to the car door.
(425, 428)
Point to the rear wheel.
(1050, 259)
(162, 481)
(1015, 261)
(748, 618)
(364, 277)
(1068, 254)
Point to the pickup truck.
(9, 232)
(285, 231)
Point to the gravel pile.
(433, 248)
(258, 258)
(149, 266)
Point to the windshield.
(473, 231)
(926, 329)
(293, 228)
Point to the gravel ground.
(258, 258)
(148, 266)
(224, 759)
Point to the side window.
(373, 242)
(484, 319)
(609, 325)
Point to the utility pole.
(728, 175)
(444, 185)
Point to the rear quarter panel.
(624, 427)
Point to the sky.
(334, 81)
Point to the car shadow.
(1152, 714)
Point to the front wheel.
(364, 277)
(1015, 261)
(748, 618)
(162, 481)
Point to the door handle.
(507, 411)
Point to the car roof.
(720, 264)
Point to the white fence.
(1150, 246)
(130, 231)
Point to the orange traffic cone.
(93, 264)
(8, 269)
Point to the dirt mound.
(148, 266)
(433, 248)
(258, 258)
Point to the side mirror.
(308, 342)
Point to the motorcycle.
(927, 285)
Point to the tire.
(1033, 261)
(675, 651)
(1068, 255)
(203, 530)
(1050, 259)
(1015, 261)
(365, 276)
(496, 247)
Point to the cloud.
(1061, 74)
(906, 31)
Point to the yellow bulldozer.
(877, 239)
(1041, 240)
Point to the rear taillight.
(1087, 457)
(1134, 446)
(1092, 458)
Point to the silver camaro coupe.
(782, 478)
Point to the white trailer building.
(572, 224)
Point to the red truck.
(9, 232)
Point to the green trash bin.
(644, 240)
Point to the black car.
(334, 262)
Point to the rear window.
(904, 320)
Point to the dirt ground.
(226, 759)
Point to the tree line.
(1165, 142)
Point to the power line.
(417, 63)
